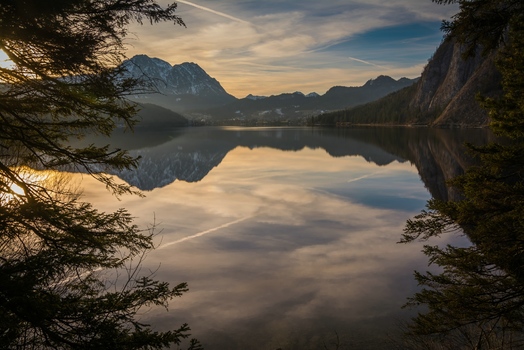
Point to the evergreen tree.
(478, 298)
(64, 83)
(481, 22)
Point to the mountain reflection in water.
(287, 236)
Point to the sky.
(275, 46)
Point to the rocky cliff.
(445, 94)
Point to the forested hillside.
(392, 109)
(151, 115)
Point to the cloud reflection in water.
(282, 249)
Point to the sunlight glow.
(5, 62)
(35, 179)
(17, 189)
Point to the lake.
(287, 237)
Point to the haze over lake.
(287, 236)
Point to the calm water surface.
(287, 237)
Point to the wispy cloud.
(225, 15)
(280, 46)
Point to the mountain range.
(444, 95)
(296, 106)
(187, 89)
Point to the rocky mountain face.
(445, 94)
(179, 87)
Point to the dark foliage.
(55, 250)
(478, 298)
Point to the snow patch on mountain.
(255, 98)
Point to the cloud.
(286, 46)
(225, 15)
(267, 244)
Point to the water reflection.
(189, 154)
(286, 249)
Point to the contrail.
(364, 177)
(367, 62)
(215, 12)
(168, 244)
(203, 233)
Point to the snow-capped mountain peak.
(183, 79)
